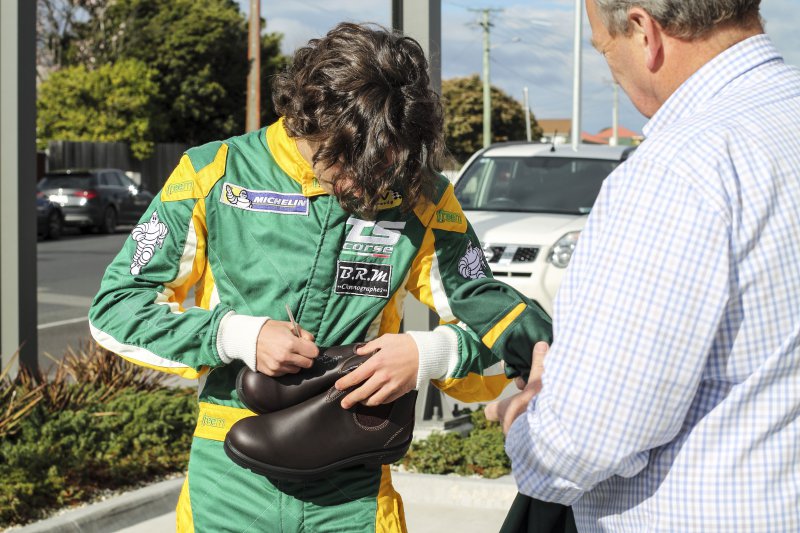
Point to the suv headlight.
(561, 252)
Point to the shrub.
(94, 425)
(484, 453)
(440, 453)
(481, 452)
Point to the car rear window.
(73, 181)
(533, 184)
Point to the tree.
(55, 20)
(112, 103)
(463, 117)
(197, 50)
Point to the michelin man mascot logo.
(471, 263)
(242, 199)
(147, 235)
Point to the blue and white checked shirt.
(671, 397)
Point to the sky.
(531, 46)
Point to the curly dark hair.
(363, 93)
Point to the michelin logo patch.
(470, 266)
(264, 201)
(363, 279)
(147, 235)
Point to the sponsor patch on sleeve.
(448, 215)
(148, 235)
(264, 201)
(472, 263)
(363, 279)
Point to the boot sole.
(370, 459)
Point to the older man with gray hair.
(670, 398)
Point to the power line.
(515, 73)
(456, 4)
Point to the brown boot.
(317, 436)
(264, 394)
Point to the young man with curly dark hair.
(333, 214)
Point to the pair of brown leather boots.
(301, 430)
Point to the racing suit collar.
(284, 150)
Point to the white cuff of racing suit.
(438, 353)
(237, 337)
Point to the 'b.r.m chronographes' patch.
(363, 279)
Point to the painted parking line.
(69, 300)
(63, 322)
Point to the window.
(533, 184)
(126, 181)
(111, 178)
(73, 181)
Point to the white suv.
(528, 204)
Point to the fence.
(152, 171)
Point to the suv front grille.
(493, 253)
(525, 255)
(505, 254)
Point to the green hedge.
(94, 423)
(480, 452)
(60, 459)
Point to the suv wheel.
(109, 224)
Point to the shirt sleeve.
(637, 314)
(138, 311)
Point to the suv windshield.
(73, 181)
(533, 184)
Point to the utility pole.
(422, 21)
(487, 95)
(253, 121)
(18, 314)
(576, 76)
(527, 113)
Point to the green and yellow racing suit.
(244, 225)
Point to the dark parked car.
(50, 219)
(96, 199)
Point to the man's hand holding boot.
(506, 411)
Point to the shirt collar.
(710, 79)
(284, 150)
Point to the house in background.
(560, 130)
(555, 128)
(625, 137)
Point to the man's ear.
(650, 34)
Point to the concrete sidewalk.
(432, 503)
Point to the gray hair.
(685, 19)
